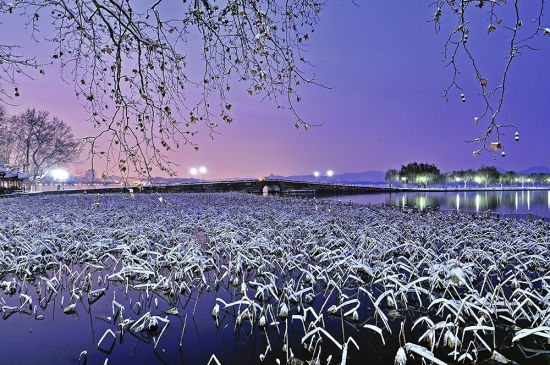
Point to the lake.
(536, 202)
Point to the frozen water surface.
(245, 278)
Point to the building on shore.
(11, 181)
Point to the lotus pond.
(235, 278)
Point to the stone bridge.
(271, 186)
(267, 186)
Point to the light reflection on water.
(506, 202)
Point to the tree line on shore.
(33, 142)
(424, 173)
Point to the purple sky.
(383, 62)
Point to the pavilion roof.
(11, 176)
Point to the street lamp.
(330, 173)
(202, 171)
(316, 174)
(193, 171)
(60, 176)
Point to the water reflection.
(506, 202)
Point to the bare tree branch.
(130, 63)
(457, 41)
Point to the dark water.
(536, 202)
(60, 338)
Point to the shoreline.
(298, 187)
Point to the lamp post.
(60, 176)
(202, 171)
(330, 173)
(316, 174)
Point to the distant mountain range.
(371, 176)
(530, 170)
(535, 169)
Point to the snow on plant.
(282, 263)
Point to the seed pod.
(262, 322)
(283, 311)
(216, 311)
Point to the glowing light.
(193, 171)
(202, 170)
(477, 179)
(59, 174)
(477, 202)
(516, 200)
(330, 173)
(316, 173)
(528, 200)
(422, 202)
(457, 201)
